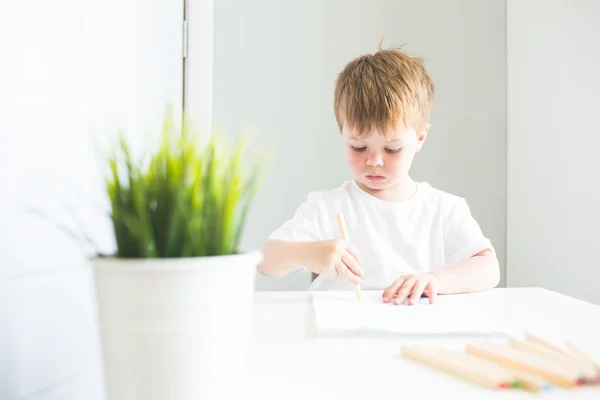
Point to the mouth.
(375, 177)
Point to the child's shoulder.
(331, 195)
(438, 198)
(434, 193)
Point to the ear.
(422, 136)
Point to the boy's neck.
(400, 192)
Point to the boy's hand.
(412, 287)
(331, 257)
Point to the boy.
(406, 237)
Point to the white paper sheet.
(344, 313)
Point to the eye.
(359, 149)
(394, 150)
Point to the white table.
(289, 361)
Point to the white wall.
(70, 68)
(553, 142)
(275, 66)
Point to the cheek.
(355, 159)
(397, 162)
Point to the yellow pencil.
(344, 233)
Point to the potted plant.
(175, 301)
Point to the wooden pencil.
(454, 365)
(530, 337)
(523, 380)
(478, 364)
(496, 376)
(531, 383)
(583, 356)
(587, 362)
(586, 372)
(552, 372)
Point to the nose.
(375, 160)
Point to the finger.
(354, 251)
(432, 292)
(390, 291)
(404, 291)
(344, 271)
(417, 292)
(332, 270)
(352, 264)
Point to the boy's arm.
(477, 273)
(470, 260)
(300, 243)
(330, 257)
(280, 257)
(282, 249)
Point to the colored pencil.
(552, 372)
(459, 365)
(586, 372)
(576, 352)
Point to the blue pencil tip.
(547, 386)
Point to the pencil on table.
(511, 377)
(583, 356)
(475, 369)
(586, 372)
(344, 233)
(462, 366)
(592, 369)
(530, 337)
(552, 372)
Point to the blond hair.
(376, 91)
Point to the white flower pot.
(176, 328)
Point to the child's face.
(381, 164)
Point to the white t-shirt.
(431, 230)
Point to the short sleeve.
(303, 226)
(462, 235)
